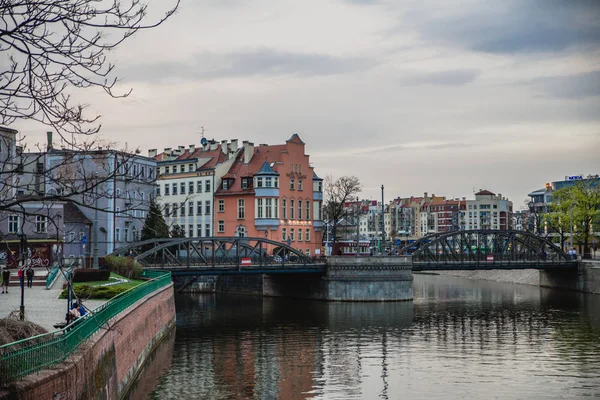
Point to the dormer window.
(225, 184)
(245, 183)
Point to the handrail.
(30, 355)
(52, 275)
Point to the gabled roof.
(73, 215)
(266, 170)
(295, 139)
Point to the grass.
(94, 290)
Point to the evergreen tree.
(155, 225)
(177, 231)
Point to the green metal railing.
(51, 275)
(30, 355)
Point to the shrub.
(95, 292)
(124, 266)
(90, 275)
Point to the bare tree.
(53, 46)
(337, 193)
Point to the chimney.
(192, 148)
(248, 151)
(49, 135)
(152, 153)
(224, 148)
(213, 145)
(425, 195)
(167, 150)
(433, 195)
(233, 145)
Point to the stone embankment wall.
(585, 279)
(107, 364)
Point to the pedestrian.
(5, 279)
(20, 274)
(74, 312)
(30, 273)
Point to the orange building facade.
(271, 191)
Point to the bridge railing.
(30, 355)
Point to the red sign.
(246, 261)
(490, 258)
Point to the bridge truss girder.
(477, 245)
(211, 251)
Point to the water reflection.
(457, 339)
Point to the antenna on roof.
(203, 141)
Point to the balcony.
(266, 222)
(266, 191)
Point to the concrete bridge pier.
(348, 279)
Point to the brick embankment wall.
(107, 364)
(521, 276)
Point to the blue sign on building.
(83, 239)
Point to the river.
(458, 339)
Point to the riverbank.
(586, 279)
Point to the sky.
(438, 96)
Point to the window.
(299, 234)
(283, 234)
(207, 186)
(292, 234)
(244, 183)
(191, 208)
(308, 210)
(40, 223)
(241, 213)
(118, 234)
(299, 209)
(71, 237)
(199, 186)
(157, 192)
(182, 168)
(190, 167)
(118, 193)
(182, 187)
(275, 182)
(13, 223)
(307, 252)
(174, 213)
(307, 236)
(199, 230)
(207, 230)
(174, 187)
(259, 182)
(207, 207)
(126, 234)
(276, 209)
(268, 181)
(495, 205)
(199, 208)
(320, 187)
(167, 210)
(259, 207)
(191, 187)
(299, 184)
(291, 184)
(268, 204)
(221, 205)
(182, 209)
(291, 209)
(166, 189)
(283, 209)
(166, 170)
(221, 225)
(191, 231)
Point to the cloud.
(457, 77)
(570, 86)
(259, 62)
(514, 26)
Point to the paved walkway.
(42, 306)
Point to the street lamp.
(95, 248)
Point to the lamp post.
(357, 227)
(382, 222)
(95, 248)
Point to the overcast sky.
(444, 97)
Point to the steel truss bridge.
(220, 255)
(485, 249)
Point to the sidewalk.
(42, 306)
